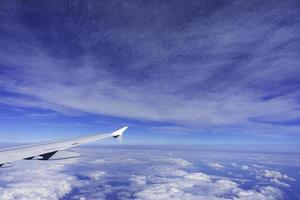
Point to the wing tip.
(120, 131)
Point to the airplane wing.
(47, 149)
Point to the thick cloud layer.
(137, 173)
(38, 180)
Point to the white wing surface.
(47, 149)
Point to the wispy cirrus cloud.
(217, 67)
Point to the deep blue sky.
(204, 72)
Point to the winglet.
(118, 134)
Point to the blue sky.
(175, 72)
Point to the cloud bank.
(134, 173)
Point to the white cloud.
(264, 193)
(276, 177)
(275, 174)
(139, 180)
(258, 166)
(227, 81)
(134, 174)
(200, 186)
(172, 181)
(272, 176)
(168, 170)
(96, 175)
(177, 161)
(215, 165)
(167, 176)
(38, 180)
(278, 182)
(245, 167)
(198, 176)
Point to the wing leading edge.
(47, 149)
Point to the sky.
(206, 72)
